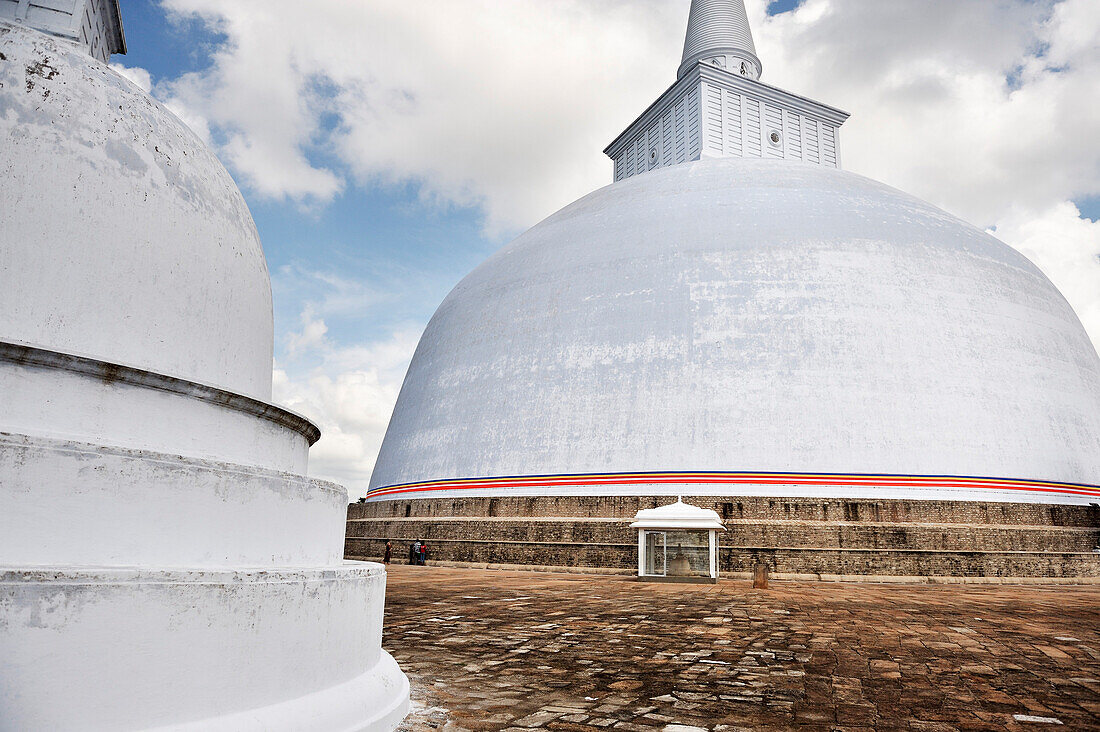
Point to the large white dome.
(161, 267)
(749, 315)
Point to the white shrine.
(677, 543)
(165, 563)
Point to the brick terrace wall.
(743, 534)
(798, 536)
(733, 559)
(739, 507)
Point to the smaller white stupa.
(165, 563)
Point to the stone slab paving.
(494, 650)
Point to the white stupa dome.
(162, 267)
(753, 316)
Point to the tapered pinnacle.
(718, 33)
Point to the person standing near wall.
(389, 552)
(414, 552)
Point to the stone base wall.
(754, 508)
(742, 534)
(792, 536)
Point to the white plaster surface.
(121, 235)
(678, 515)
(247, 650)
(84, 408)
(750, 315)
(85, 504)
(712, 113)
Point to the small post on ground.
(760, 576)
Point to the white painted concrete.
(97, 407)
(121, 235)
(78, 503)
(113, 649)
(754, 315)
(678, 515)
(709, 113)
(377, 699)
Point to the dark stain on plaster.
(42, 69)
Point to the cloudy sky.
(386, 147)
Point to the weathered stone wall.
(824, 562)
(743, 507)
(951, 537)
(892, 538)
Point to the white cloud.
(312, 334)
(348, 386)
(139, 76)
(350, 396)
(255, 93)
(981, 107)
(327, 293)
(503, 105)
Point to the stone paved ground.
(491, 650)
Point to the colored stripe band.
(738, 478)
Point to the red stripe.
(722, 478)
(719, 478)
(739, 479)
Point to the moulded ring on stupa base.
(251, 649)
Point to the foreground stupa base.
(264, 649)
(179, 571)
(798, 538)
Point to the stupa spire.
(719, 108)
(718, 33)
